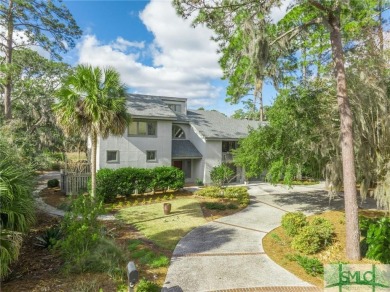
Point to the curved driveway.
(228, 253)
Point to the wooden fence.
(72, 183)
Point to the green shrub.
(106, 188)
(239, 193)
(210, 192)
(324, 229)
(199, 182)
(124, 181)
(50, 237)
(231, 206)
(147, 286)
(313, 237)
(378, 240)
(82, 233)
(312, 266)
(307, 240)
(293, 222)
(220, 174)
(53, 183)
(215, 206)
(167, 177)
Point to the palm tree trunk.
(8, 61)
(93, 164)
(347, 153)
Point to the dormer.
(176, 104)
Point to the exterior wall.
(212, 156)
(132, 150)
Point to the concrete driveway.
(227, 254)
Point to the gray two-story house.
(163, 132)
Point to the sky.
(155, 51)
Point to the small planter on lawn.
(167, 208)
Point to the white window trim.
(113, 161)
(155, 156)
(138, 135)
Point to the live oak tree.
(47, 24)
(33, 128)
(332, 15)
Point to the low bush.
(238, 193)
(82, 233)
(49, 238)
(293, 222)
(312, 266)
(147, 286)
(124, 181)
(53, 183)
(215, 206)
(313, 237)
(220, 174)
(378, 240)
(210, 192)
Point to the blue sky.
(155, 51)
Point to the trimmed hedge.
(124, 181)
(239, 193)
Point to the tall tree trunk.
(349, 179)
(93, 163)
(8, 60)
(259, 94)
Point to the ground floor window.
(112, 156)
(151, 155)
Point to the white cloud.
(277, 13)
(122, 44)
(184, 59)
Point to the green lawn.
(165, 230)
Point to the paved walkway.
(227, 254)
(41, 205)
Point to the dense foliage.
(125, 181)
(377, 238)
(313, 237)
(221, 174)
(238, 193)
(17, 210)
(293, 222)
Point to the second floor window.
(143, 128)
(175, 107)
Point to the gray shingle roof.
(184, 149)
(214, 125)
(148, 106)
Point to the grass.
(164, 230)
(277, 246)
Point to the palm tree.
(17, 211)
(92, 102)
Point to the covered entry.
(184, 155)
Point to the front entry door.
(178, 164)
